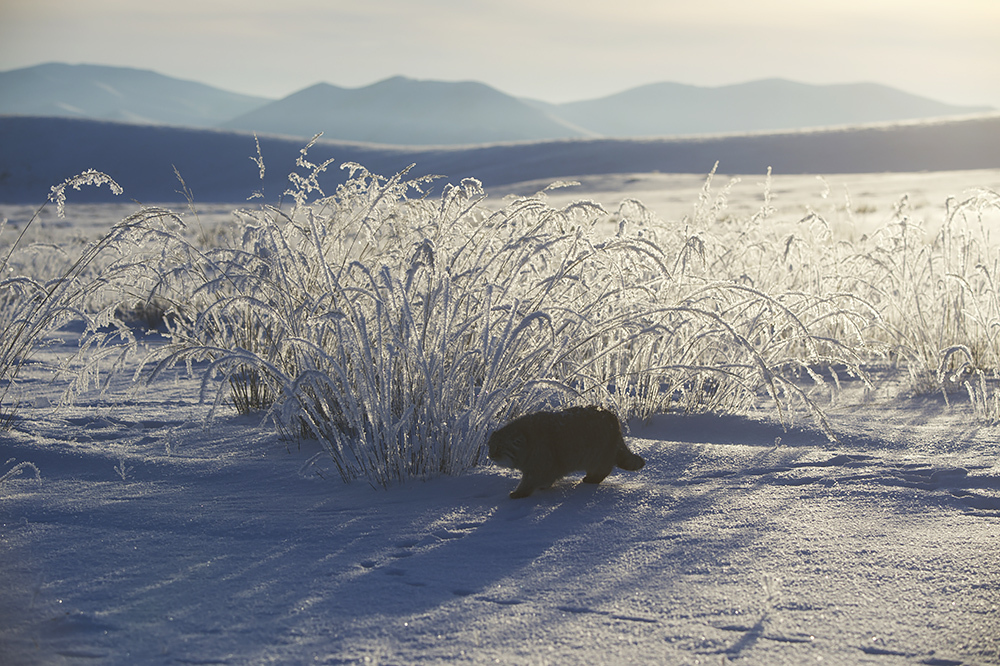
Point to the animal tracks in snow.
(614, 616)
(393, 562)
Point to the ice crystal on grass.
(32, 307)
(399, 328)
(88, 177)
(18, 469)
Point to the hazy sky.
(556, 50)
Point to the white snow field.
(134, 529)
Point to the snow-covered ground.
(870, 197)
(150, 535)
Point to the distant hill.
(663, 109)
(117, 93)
(36, 153)
(406, 112)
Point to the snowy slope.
(36, 153)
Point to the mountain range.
(407, 112)
(765, 105)
(118, 93)
(402, 111)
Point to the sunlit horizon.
(556, 50)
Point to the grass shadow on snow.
(235, 557)
(232, 556)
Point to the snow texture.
(150, 535)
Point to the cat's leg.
(525, 488)
(598, 474)
(600, 464)
(531, 483)
(537, 472)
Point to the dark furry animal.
(546, 446)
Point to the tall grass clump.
(937, 295)
(31, 307)
(898, 295)
(751, 306)
(923, 302)
(399, 328)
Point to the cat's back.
(545, 446)
(577, 438)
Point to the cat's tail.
(627, 460)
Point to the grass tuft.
(399, 327)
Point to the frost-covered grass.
(17, 469)
(399, 327)
(36, 303)
(935, 294)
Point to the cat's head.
(506, 448)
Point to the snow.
(871, 196)
(36, 153)
(152, 535)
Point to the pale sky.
(554, 50)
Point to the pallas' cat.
(546, 446)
